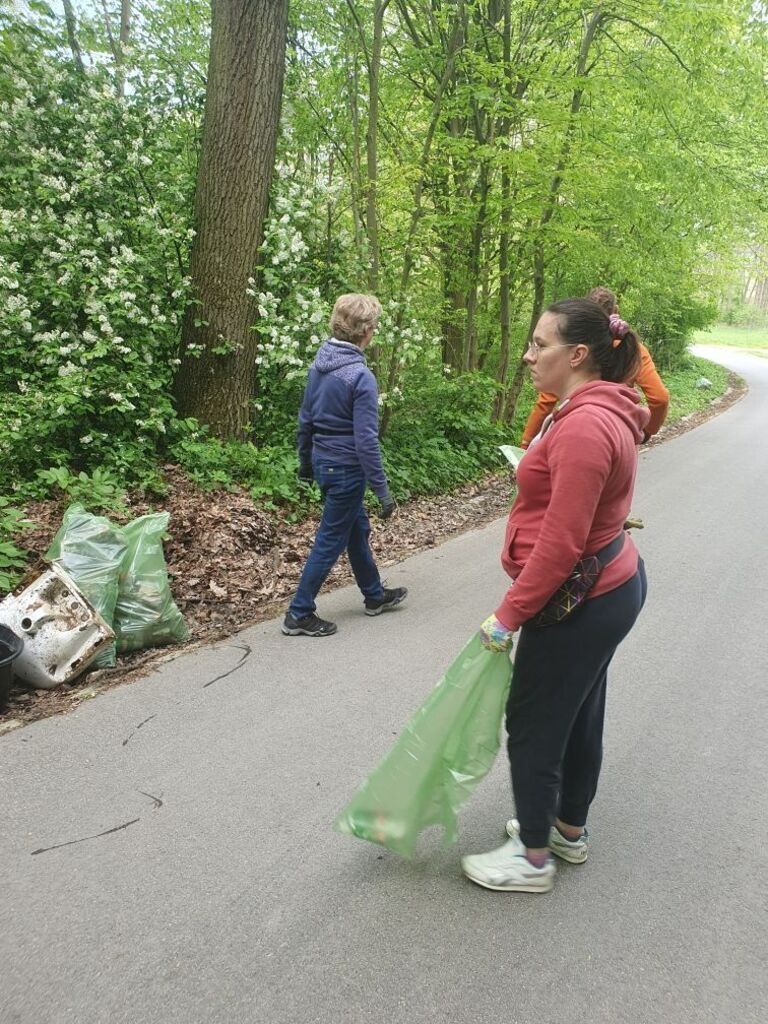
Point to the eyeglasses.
(535, 349)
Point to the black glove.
(306, 475)
(388, 506)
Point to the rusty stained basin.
(62, 631)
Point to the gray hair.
(353, 315)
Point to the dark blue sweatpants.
(556, 708)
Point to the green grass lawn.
(752, 338)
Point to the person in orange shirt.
(647, 379)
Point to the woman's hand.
(494, 635)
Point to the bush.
(739, 314)
(12, 558)
(665, 324)
(441, 435)
(94, 226)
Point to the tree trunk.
(69, 17)
(582, 70)
(501, 376)
(125, 32)
(454, 312)
(372, 145)
(499, 404)
(355, 185)
(454, 46)
(470, 328)
(125, 21)
(242, 110)
(513, 392)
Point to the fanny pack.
(572, 594)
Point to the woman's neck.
(578, 381)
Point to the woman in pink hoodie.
(575, 487)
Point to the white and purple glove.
(494, 635)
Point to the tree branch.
(655, 35)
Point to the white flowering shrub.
(94, 231)
(292, 304)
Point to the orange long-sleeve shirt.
(647, 379)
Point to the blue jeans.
(344, 525)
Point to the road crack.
(85, 839)
(246, 655)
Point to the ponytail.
(613, 345)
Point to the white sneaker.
(574, 852)
(507, 869)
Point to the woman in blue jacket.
(338, 445)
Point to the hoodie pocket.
(509, 541)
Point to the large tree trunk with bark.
(242, 108)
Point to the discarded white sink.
(62, 631)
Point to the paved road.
(234, 902)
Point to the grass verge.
(685, 397)
(752, 338)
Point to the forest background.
(468, 162)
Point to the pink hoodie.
(574, 493)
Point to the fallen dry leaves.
(232, 563)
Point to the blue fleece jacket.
(339, 417)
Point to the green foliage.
(269, 473)
(12, 558)
(442, 435)
(742, 315)
(101, 489)
(685, 396)
(95, 217)
(666, 324)
(653, 188)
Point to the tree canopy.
(467, 161)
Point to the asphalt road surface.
(166, 850)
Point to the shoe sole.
(513, 888)
(305, 632)
(386, 607)
(566, 855)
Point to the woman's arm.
(545, 403)
(304, 437)
(656, 395)
(365, 425)
(580, 457)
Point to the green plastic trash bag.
(145, 614)
(90, 549)
(445, 750)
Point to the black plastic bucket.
(11, 647)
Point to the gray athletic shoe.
(507, 869)
(310, 625)
(574, 852)
(391, 599)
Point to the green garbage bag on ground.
(90, 549)
(447, 747)
(146, 614)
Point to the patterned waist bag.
(572, 594)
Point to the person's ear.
(578, 354)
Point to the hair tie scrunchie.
(619, 329)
